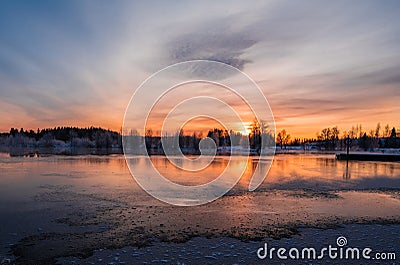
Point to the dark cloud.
(215, 41)
(225, 47)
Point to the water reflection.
(325, 172)
(287, 171)
(347, 174)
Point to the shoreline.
(77, 151)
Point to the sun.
(245, 128)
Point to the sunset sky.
(319, 63)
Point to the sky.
(318, 63)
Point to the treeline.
(332, 138)
(189, 143)
(260, 137)
(223, 140)
(91, 137)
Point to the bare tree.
(378, 130)
(334, 136)
(255, 134)
(283, 138)
(387, 131)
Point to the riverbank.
(369, 157)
